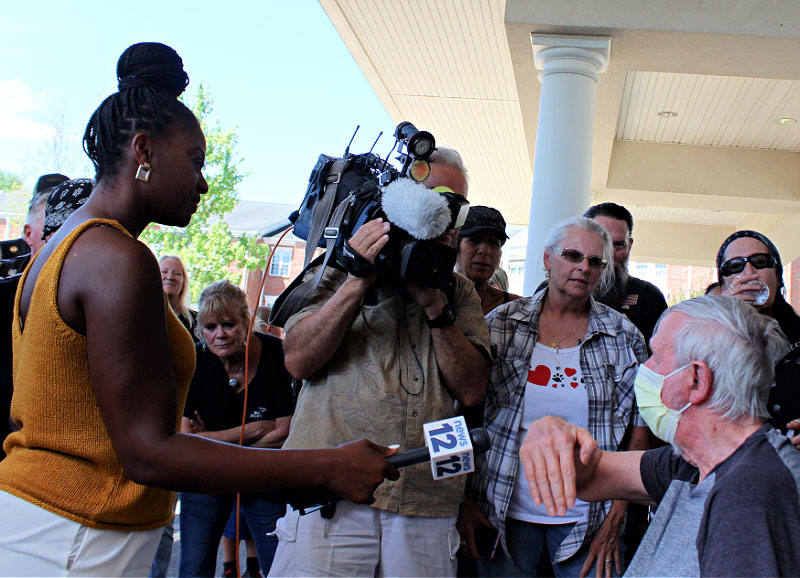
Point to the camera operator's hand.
(429, 299)
(370, 239)
(359, 468)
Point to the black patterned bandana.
(64, 199)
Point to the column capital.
(566, 53)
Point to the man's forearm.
(252, 432)
(311, 343)
(464, 369)
(636, 442)
(276, 437)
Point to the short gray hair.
(37, 204)
(740, 346)
(560, 232)
(449, 158)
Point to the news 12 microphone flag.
(450, 447)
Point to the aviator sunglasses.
(576, 257)
(737, 264)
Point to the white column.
(562, 166)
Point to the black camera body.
(360, 183)
(425, 263)
(345, 193)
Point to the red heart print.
(540, 375)
(574, 384)
(570, 372)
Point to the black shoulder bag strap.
(324, 208)
(294, 297)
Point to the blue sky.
(276, 69)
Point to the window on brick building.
(281, 262)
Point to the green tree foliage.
(207, 247)
(14, 198)
(9, 181)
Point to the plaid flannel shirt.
(609, 353)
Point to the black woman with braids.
(102, 365)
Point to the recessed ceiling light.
(667, 114)
(785, 121)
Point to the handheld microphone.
(480, 443)
(422, 213)
(304, 499)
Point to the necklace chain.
(556, 342)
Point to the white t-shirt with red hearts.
(555, 387)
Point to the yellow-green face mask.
(661, 420)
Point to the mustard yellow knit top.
(62, 458)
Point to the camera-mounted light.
(419, 143)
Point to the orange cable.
(247, 384)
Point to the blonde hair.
(183, 296)
(221, 298)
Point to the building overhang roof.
(464, 70)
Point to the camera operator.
(380, 359)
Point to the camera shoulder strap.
(294, 297)
(324, 208)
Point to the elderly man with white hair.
(727, 490)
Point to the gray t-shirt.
(743, 519)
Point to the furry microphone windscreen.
(421, 212)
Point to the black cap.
(48, 182)
(482, 218)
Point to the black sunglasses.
(736, 265)
(575, 256)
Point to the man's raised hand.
(549, 456)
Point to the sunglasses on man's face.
(576, 257)
(737, 264)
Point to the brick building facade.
(686, 281)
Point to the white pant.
(364, 541)
(36, 542)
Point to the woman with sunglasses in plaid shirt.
(558, 352)
(746, 261)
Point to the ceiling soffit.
(445, 66)
(464, 70)
(713, 111)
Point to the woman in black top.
(214, 409)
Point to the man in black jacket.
(640, 301)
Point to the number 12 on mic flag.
(450, 447)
